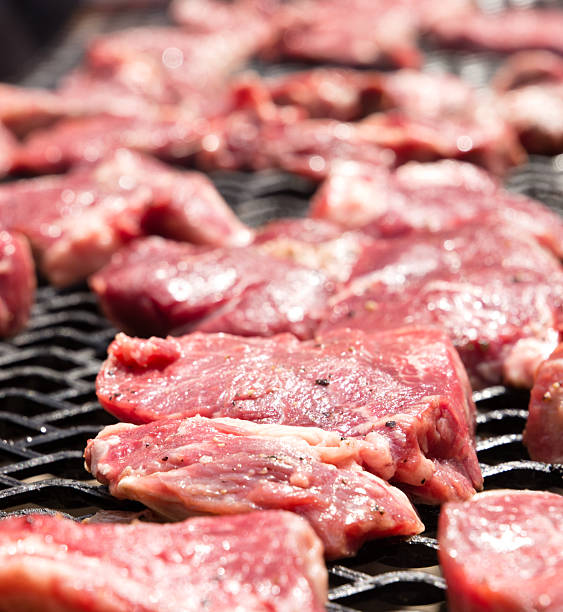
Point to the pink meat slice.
(90, 139)
(314, 243)
(264, 562)
(77, 221)
(503, 551)
(228, 466)
(505, 31)
(403, 393)
(483, 138)
(528, 68)
(428, 197)
(361, 32)
(543, 435)
(23, 109)
(347, 95)
(158, 286)
(496, 292)
(8, 148)
(17, 283)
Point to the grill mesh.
(48, 407)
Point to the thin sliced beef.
(17, 283)
(496, 293)
(504, 31)
(314, 243)
(429, 197)
(228, 466)
(89, 139)
(543, 435)
(503, 551)
(403, 394)
(267, 561)
(158, 286)
(77, 221)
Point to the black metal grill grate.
(48, 407)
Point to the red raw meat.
(505, 31)
(17, 283)
(485, 139)
(357, 32)
(77, 221)
(429, 197)
(528, 68)
(314, 243)
(404, 394)
(262, 135)
(503, 552)
(8, 148)
(23, 109)
(543, 435)
(496, 292)
(264, 562)
(90, 139)
(348, 95)
(157, 286)
(228, 466)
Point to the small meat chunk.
(17, 283)
(227, 466)
(503, 550)
(158, 286)
(403, 393)
(75, 222)
(264, 562)
(543, 435)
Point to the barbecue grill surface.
(48, 406)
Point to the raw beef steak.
(77, 221)
(505, 31)
(531, 100)
(228, 466)
(158, 286)
(314, 243)
(428, 197)
(8, 148)
(404, 393)
(497, 293)
(90, 139)
(267, 561)
(543, 435)
(348, 95)
(17, 283)
(503, 551)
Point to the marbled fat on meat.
(404, 393)
(543, 435)
(227, 466)
(158, 286)
(502, 551)
(264, 562)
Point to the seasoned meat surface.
(267, 561)
(228, 466)
(404, 392)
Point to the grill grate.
(48, 407)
